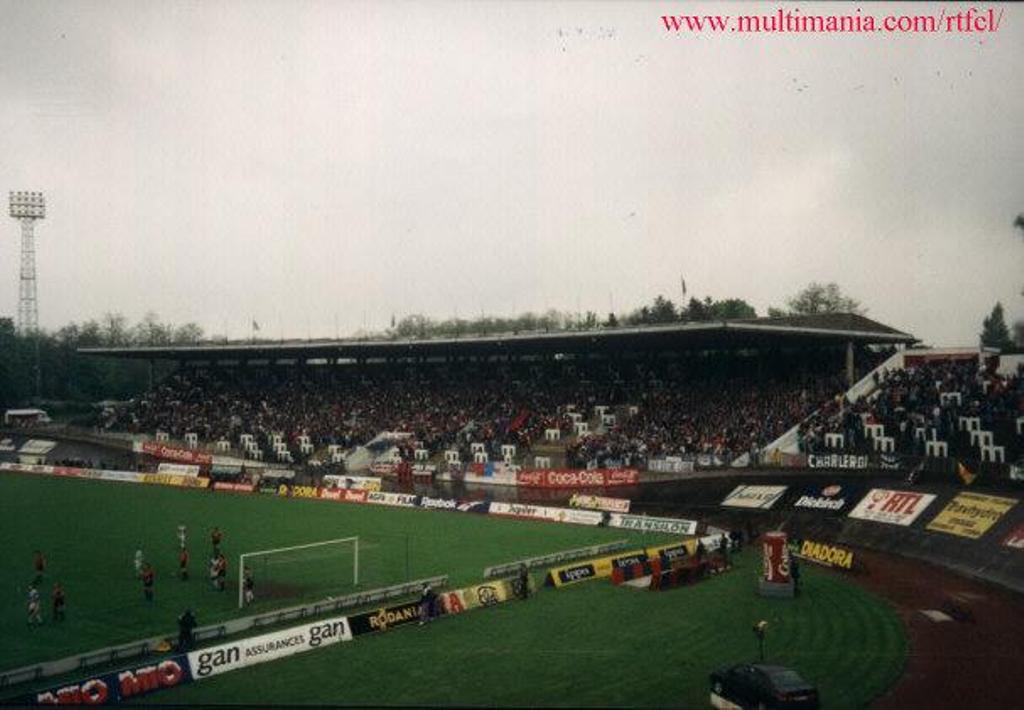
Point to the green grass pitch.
(590, 645)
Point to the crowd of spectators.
(681, 409)
(724, 419)
(441, 409)
(908, 399)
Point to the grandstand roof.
(791, 331)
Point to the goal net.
(316, 569)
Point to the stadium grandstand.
(605, 398)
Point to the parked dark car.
(761, 686)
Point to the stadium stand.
(971, 411)
(631, 412)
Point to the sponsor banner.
(487, 594)
(402, 500)
(7, 445)
(452, 602)
(234, 487)
(214, 661)
(554, 558)
(174, 479)
(540, 512)
(438, 503)
(645, 523)
(890, 461)
(971, 514)
(763, 497)
(122, 685)
(893, 507)
(573, 574)
(288, 491)
(344, 495)
(1016, 472)
(384, 618)
(823, 553)
(381, 468)
(173, 453)
(285, 473)
(673, 552)
(593, 569)
(612, 505)
(830, 498)
(358, 483)
(475, 506)
(575, 478)
(119, 476)
(1016, 538)
(424, 469)
(182, 469)
(670, 464)
(837, 461)
(517, 510)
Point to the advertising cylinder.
(776, 558)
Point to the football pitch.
(591, 644)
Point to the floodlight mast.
(27, 207)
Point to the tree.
(698, 310)
(663, 310)
(612, 321)
(731, 308)
(819, 298)
(994, 333)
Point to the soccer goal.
(301, 569)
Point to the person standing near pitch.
(248, 587)
(35, 616)
(148, 577)
(183, 563)
(39, 565)
(58, 602)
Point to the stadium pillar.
(850, 374)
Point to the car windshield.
(785, 679)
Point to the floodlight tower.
(27, 207)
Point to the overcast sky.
(318, 166)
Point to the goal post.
(297, 554)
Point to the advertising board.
(173, 453)
(210, 662)
(849, 462)
(384, 618)
(762, 497)
(892, 507)
(971, 514)
(234, 487)
(359, 483)
(822, 553)
(121, 685)
(1016, 538)
(401, 500)
(577, 478)
(829, 498)
(612, 505)
(182, 469)
(644, 523)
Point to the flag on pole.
(965, 474)
(682, 283)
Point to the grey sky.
(303, 162)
